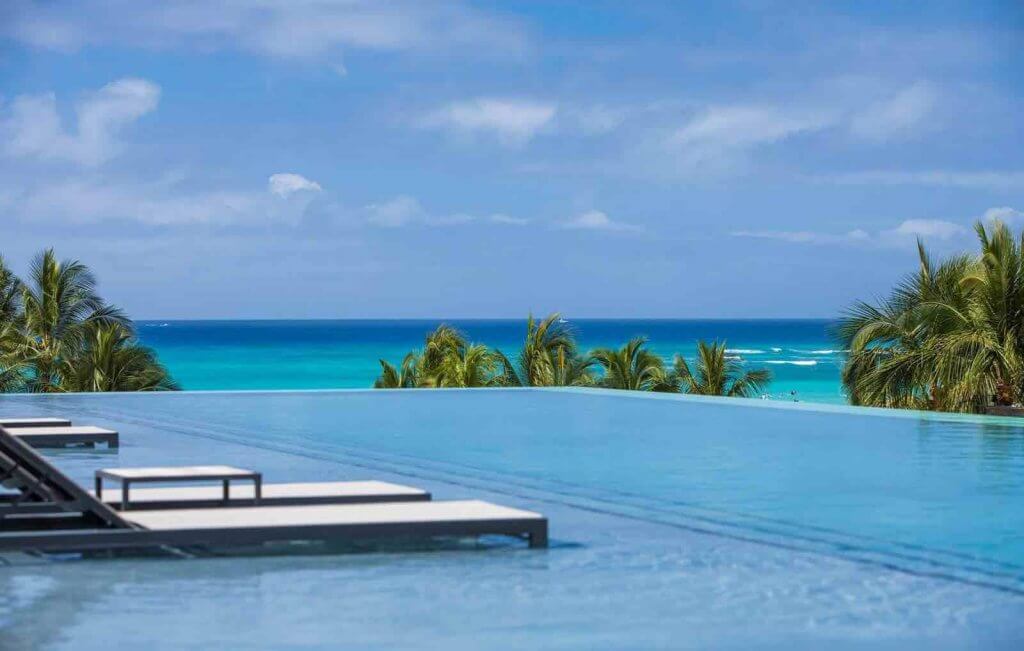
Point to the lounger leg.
(539, 537)
(258, 487)
(124, 494)
(99, 488)
(227, 490)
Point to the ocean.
(331, 354)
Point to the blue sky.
(319, 158)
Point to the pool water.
(675, 522)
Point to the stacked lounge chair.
(46, 511)
(58, 433)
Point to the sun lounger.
(34, 422)
(63, 436)
(290, 494)
(85, 523)
(249, 526)
(285, 494)
(223, 474)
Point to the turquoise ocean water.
(344, 354)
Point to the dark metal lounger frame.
(84, 523)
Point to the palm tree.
(549, 357)
(444, 342)
(632, 367)
(470, 366)
(890, 362)
(718, 375)
(10, 294)
(573, 369)
(113, 360)
(950, 337)
(447, 360)
(11, 363)
(404, 377)
(59, 304)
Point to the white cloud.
(595, 220)
(720, 135)
(742, 126)
(993, 180)
(285, 184)
(807, 237)
(931, 228)
(512, 121)
(92, 200)
(906, 232)
(404, 211)
(297, 29)
(500, 218)
(395, 212)
(33, 129)
(904, 113)
(1005, 214)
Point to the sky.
(453, 159)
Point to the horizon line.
(477, 318)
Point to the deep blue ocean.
(344, 354)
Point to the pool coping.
(811, 407)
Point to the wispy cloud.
(807, 237)
(718, 137)
(84, 200)
(395, 212)
(32, 127)
(939, 229)
(500, 218)
(513, 121)
(301, 29)
(286, 184)
(905, 232)
(595, 220)
(403, 210)
(988, 179)
(904, 113)
(1005, 214)
(594, 119)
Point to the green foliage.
(12, 366)
(718, 375)
(446, 360)
(112, 361)
(469, 366)
(633, 367)
(549, 357)
(950, 337)
(404, 377)
(58, 335)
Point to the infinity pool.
(675, 522)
